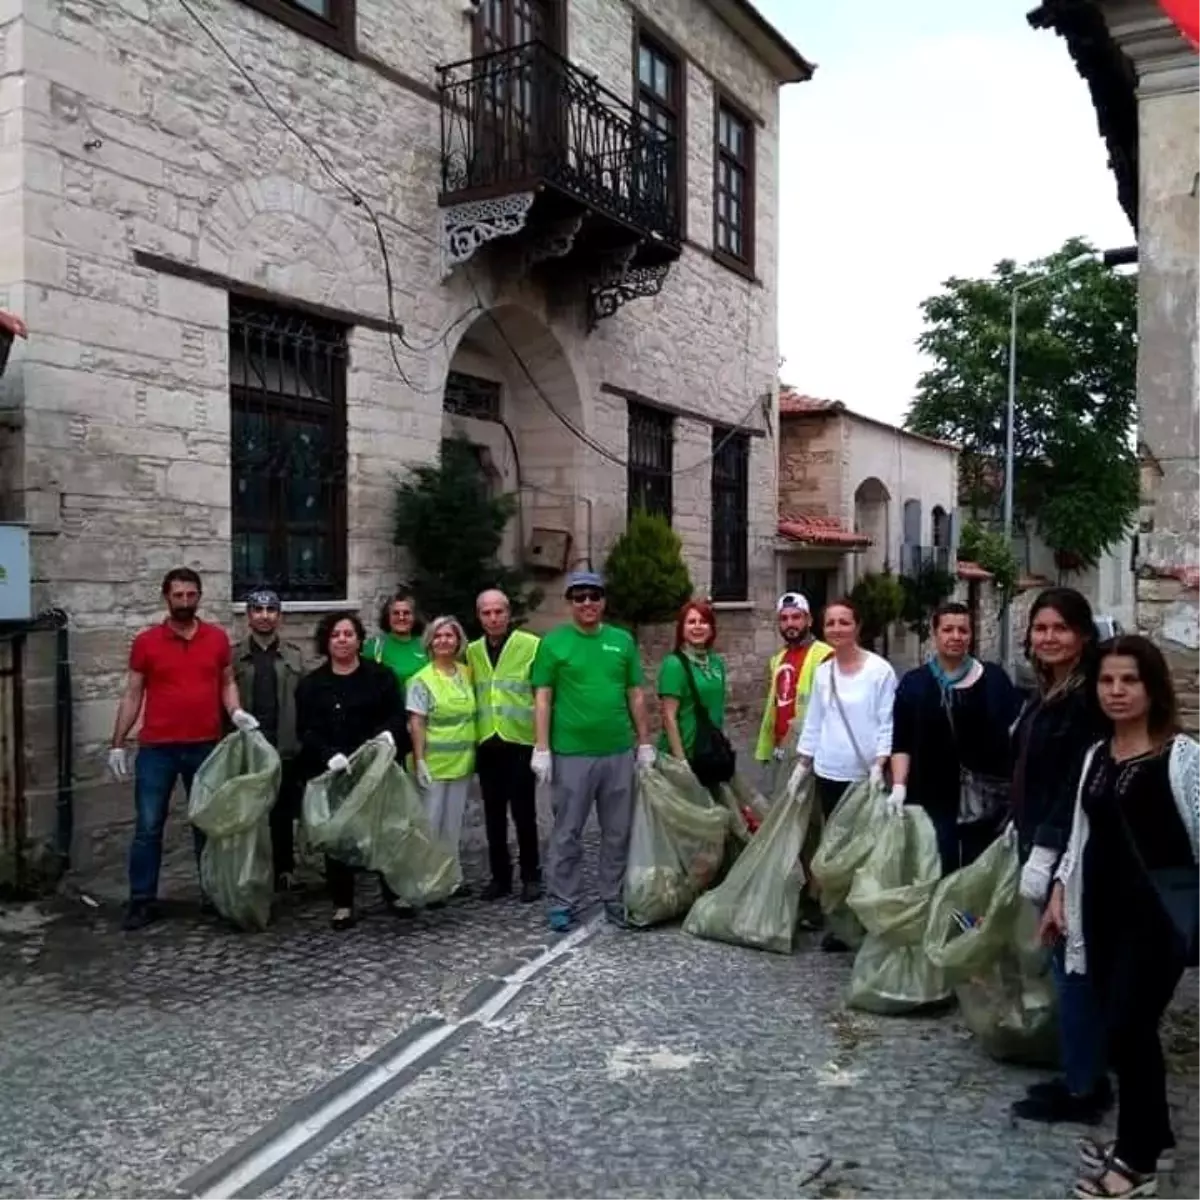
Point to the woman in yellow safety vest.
(441, 719)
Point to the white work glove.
(779, 753)
(542, 765)
(896, 799)
(876, 776)
(1038, 874)
(646, 756)
(243, 720)
(118, 764)
(424, 777)
(337, 764)
(800, 772)
(388, 738)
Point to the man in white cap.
(587, 680)
(789, 681)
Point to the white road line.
(292, 1139)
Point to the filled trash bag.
(983, 934)
(747, 808)
(231, 798)
(371, 816)
(677, 843)
(847, 839)
(891, 896)
(758, 903)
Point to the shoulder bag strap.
(702, 713)
(842, 712)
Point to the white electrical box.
(16, 590)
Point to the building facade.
(271, 252)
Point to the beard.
(793, 636)
(183, 613)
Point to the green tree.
(879, 598)
(1076, 471)
(645, 577)
(452, 527)
(923, 592)
(992, 551)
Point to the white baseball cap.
(792, 600)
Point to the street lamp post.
(1110, 258)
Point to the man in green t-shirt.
(587, 680)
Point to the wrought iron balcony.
(524, 126)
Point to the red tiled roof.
(792, 403)
(972, 571)
(819, 531)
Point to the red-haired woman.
(695, 633)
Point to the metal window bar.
(651, 460)
(287, 375)
(730, 515)
(471, 396)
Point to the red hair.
(706, 611)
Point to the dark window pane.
(471, 396)
(319, 8)
(651, 460)
(730, 514)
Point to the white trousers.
(445, 806)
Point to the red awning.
(821, 531)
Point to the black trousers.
(339, 881)
(507, 784)
(284, 814)
(829, 792)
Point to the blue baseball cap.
(263, 598)
(584, 579)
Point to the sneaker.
(532, 891)
(614, 914)
(138, 915)
(560, 919)
(1054, 1107)
(496, 891)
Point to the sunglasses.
(586, 596)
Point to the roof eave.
(786, 62)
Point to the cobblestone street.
(625, 1064)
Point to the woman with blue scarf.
(950, 747)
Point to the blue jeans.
(1081, 1033)
(155, 773)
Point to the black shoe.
(496, 890)
(464, 891)
(404, 911)
(343, 919)
(207, 907)
(1050, 1108)
(532, 891)
(138, 915)
(832, 944)
(1048, 1088)
(1056, 1090)
(286, 881)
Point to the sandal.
(1098, 1187)
(1095, 1155)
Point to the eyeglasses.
(586, 596)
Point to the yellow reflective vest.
(449, 724)
(503, 694)
(818, 652)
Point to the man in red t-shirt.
(180, 682)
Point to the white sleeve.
(418, 699)
(885, 701)
(814, 715)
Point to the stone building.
(270, 252)
(1144, 77)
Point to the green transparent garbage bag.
(847, 839)
(891, 896)
(985, 937)
(677, 843)
(371, 816)
(231, 797)
(758, 903)
(737, 796)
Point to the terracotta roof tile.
(792, 403)
(819, 531)
(972, 571)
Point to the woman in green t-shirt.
(695, 632)
(398, 644)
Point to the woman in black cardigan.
(345, 702)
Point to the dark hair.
(1076, 612)
(181, 575)
(385, 611)
(707, 611)
(1163, 718)
(950, 608)
(842, 602)
(329, 622)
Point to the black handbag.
(713, 759)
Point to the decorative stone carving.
(466, 227)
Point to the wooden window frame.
(646, 32)
(744, 265)
(338, 32)
(723, 440)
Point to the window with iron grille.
(328, 21)
(287, 393)
(471, 396)
(730, 515)
(651, 459)
(733, 186)
(659, 98)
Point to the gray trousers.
(578, 780)
(445, 804)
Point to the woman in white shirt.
(847, 733)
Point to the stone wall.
(125, 131)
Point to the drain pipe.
(64, 716)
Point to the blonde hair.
(440, 623)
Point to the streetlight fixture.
(1110, 258)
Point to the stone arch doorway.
(872, 506)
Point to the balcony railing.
(524, 117)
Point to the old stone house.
(270, 252)
(1143, 77)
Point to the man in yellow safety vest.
(500, 663)
(789, 683)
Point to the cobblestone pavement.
(636, 1064)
